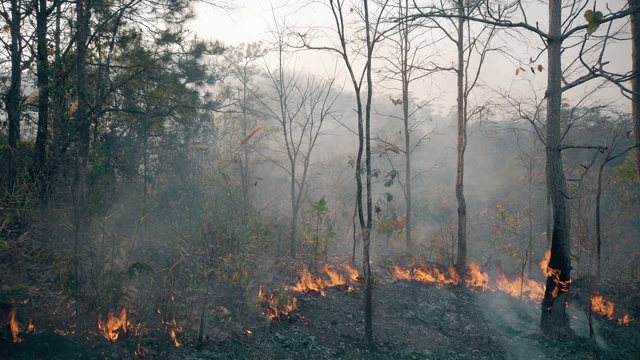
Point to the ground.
(411, 321)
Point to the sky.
(251, 20)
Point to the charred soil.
(411, 321)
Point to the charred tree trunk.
(40, 151)
(461, 261)
(81, 201)
(12, 97)
(635, 81)
(554, 321)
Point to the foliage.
(319, 231)
(627, 170)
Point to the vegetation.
(145, 170)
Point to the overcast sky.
(250, 21)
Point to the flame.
(31, 328)
(353, 273)
(307, 285)
(601, 306)
(249, 332)
(271, 305)
(317, 286)
(14, 326)
(477, 278)
(526, 288)
(521, 288)
(175, 330)
(425, 275)
(625, 320)
(63, 332)
(545, 261)
(111, 329)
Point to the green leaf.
(594, 19)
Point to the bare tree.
(300, 105)
(342, 12)
(554, 321)
(13, 17)
(472, 46)
(406, 63)
(635, 81)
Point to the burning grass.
(603, 307)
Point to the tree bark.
(461, 262)
(404, 43)
(12, 97)
(81, 201)
(635, 81)
(40, 150)
(554, 321)
(366, 242)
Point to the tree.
(299, 108)
(635, 80)
(243, 111)
(470, 45)
(13, 17)
(405, 64)
(554, 321)
(373, 33)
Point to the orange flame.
(175, 330)
(111, 329)
(526, 288)
(14, 326)
(31, 328)
(271, 305)
(308, 285)
(601, 306)
(625, 320)
(477, 278)
(353, 273)
(425, 275)
(545, 261)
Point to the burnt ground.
(411, 321)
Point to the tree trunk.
(635, 81)
(81, 201)
(461, 262)
(40, 151)
(554, 321)
(404, 43)
(12, 97)
(368, 306)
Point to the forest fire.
(13, 325)
(277, 306)
(425, 275)
(114, 325)
(308, 285)
(477, 278)
(603, 307)
(354, 276)
(174, 330)
(521, 288)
